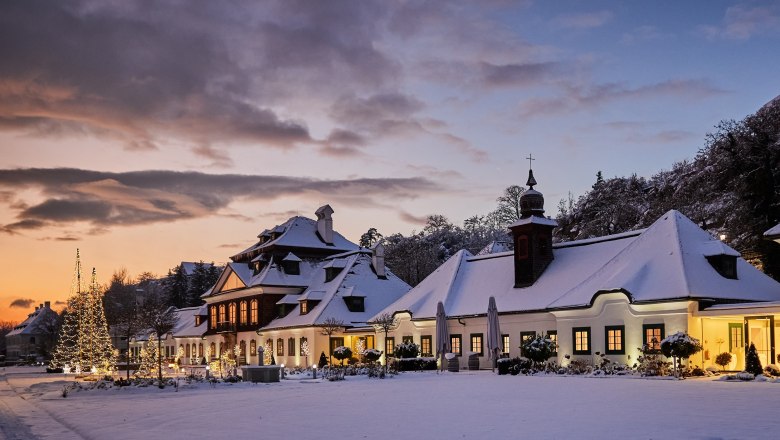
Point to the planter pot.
(503, 368)
(473, 362)
(453, 365)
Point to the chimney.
(378, 259)
(325, 223)
(47, 304)
(40, 306)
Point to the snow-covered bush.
(414, 364)
(372, 355)
(407, 350)
(649, 363)
(772, 370)
(680, 346)
(538, 349)
(342, 353)
(744, 375)
(579, 366)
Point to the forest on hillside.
(730, 188)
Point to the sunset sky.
(145, 134)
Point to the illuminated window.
(304, 307)
(581, 336)
(200, 349)
(301, 348)
(505, 343)
(213, 350)
(232, 313)
(553, 336)
(735, 337)
(389, 345)
(455, 344)
(221, 313)
(253, 311)
(476, 343)
(524, 337)
(186, 351)
(426, 345)
(252, 348)
(280, 347)
(407, 339)
(242, 312)
(290, 346)
(242, 349)
(615, 339)
(652, 335)
(213, 317)
(369, 341)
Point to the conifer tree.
(148, 358)
(752, 362)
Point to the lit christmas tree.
(84, 344)
(67, 355)
(148, 358)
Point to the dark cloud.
(507, 75)
(577, 97)
(103, 199)
(414, 219)
(22, 303)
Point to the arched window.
(200, 349)
(194, 350)
(221, 313)
(254, 311)
(232, 313)
(213, 350)
(220, 349)
(252, 348)
(280, 347)
(186, 351)
(243, 312)
(242, 349)
(213, 317)
(291, 347)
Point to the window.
(243, 312)
(213, 350)
(280, 347)
(652, 335)
(581, 337)
(221, 313)
(336, 342)
(407, 339)
(455, 344)
(615, 336)
(355, 303)
(524, 337)
(252, 348)
(369, 341)
(553, 336)
(232, 313)
(725, 265)
(304, 347)
(505, 344)
(186, 351)
(213, 318)
(242, 349)
(290, 346)
(426, 344)
(735, 336)
(476, 343)
(253, 311)
(200, 349)
(304, 307)
(389, 345)
(220, 349)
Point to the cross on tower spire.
(531, 181)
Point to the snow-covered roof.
(189, 267)
(297, 232)
(34, 321)
(291, 257)
(495, 247)
(774, 231)
(289, 299)
(356, 279)
(534, 220)
(666, 261)
(185, 326)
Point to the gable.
(232, 282)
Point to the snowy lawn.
(467, 405)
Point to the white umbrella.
(494, 343)
(442, 334)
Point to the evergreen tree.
(323, 360)
(370, 237)
(66, 355)
(202, 279)
(752, 362)
(149, 355)
(177, 287)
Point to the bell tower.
(532, 235)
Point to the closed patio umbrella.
(494, 343)
(442, 334)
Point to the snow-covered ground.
(426, 405)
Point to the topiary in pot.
(723, 359)
(342, 353)
(679, 346)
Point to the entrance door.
(760, 331)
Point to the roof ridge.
(340, 278)
(681, 267)
(461, 258)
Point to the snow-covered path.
(466, 405)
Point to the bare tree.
(157, 315)
(385, 323)
(5, 328)
(330, 327)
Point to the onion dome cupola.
(532, 236)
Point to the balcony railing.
(226, 327)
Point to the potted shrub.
(342, 353)
(723, 359)
(679, 346)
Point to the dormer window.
(722, 258)
(304, 307)
(355, 303)
(309, 300)
(725, 265)
(333, 268)
(291, 264)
